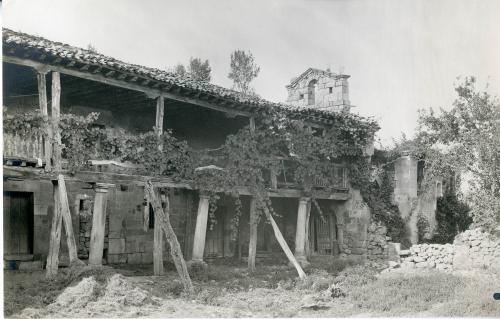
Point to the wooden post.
(56, 114)
(300, 233)
(175, 248)
(42, 101)
(284, 245)
(68, 224)
(158, 246)
(160, 109)
(55, 237)
(333, 236)
(252, 124)
(340, 230)
(252, 245)
(308, 226)
(201, 229)
(98, 224)
(274, 179)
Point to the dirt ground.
(332, 289)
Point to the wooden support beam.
(98, 224)
(252, 124)
(175, 248)
(308, 226)
(158, 244)
(68, 223)
(55, 237)
(56, 114)
(42, 101)
(283, 244)
(252, 245)
(160, 110)
(120, 83)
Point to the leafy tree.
(466, 139)
(91, 48)
(243, 70)
(452, 217)
(180, 69)
(199, 70)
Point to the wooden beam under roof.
(20, 173)
(127, 85)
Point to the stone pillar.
(98, 224)
(201, 229)
(300, 234)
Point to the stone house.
(320, 89)
(137, 98)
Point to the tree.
(179, 69)
(243, 70)
(466, 140)
(199, 70)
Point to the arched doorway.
(311, 92)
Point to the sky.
(402, 55)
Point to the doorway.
(18, 223)
(324, 235)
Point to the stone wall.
(413, 202)
(353, 219)
(472, 249)
(429, 256)
(476, 249)
(331, 91)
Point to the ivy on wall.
(244, 160)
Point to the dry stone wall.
(472, 249)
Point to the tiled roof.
(35, 48)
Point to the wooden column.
(300, 233)
(160, 109)
(158, 245)
(56, 114)
(98, 224)
(340, 230)
(55, 237)
(201, 229)
(252, 124)
(42, 101)
(308, 235)
(252, 245)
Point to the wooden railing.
(338, 175)
(28, 148)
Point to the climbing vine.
(245, 160)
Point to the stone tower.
(320, 89)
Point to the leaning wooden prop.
(162, 218)
(61, 213)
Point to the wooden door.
(17, 223)
(323, 239)
(214, 240)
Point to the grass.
(338, 288)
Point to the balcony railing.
(337, 178)
(25, 148)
